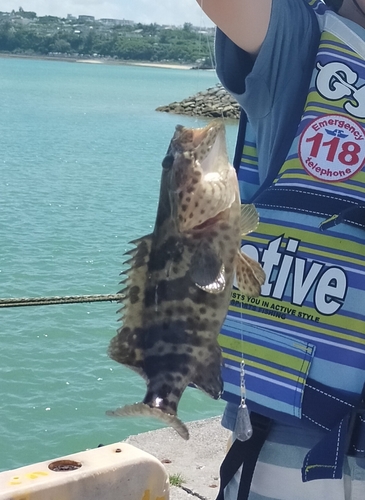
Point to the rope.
(47, 301)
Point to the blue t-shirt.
(272, 89)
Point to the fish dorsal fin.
(249, 219)
(249, 275)
(125, 347)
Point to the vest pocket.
(276, 366)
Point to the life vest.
(303, 338)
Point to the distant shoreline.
(98, 61)
(161, 65)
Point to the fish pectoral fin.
(249, 275)
(205, 265)
(218, 285)
(249, 219)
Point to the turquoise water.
(80, 153)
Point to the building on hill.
(86, 19)
(116, 22)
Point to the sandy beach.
(135, 63)
(161, 65)
(98, 61)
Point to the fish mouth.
(201, 183)
(206, 145)
(211, 150)
(142, 409)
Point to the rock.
(211, 103)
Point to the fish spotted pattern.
(178, 287)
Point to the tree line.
(51, 35)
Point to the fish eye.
(167, 162)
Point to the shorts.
(278, 475)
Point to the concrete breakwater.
(214, 102)
(196, 462)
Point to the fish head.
(197, 178)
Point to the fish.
(179, 280)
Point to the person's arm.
(245, 22)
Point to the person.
(297, 69)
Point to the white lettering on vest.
(331, 291)
(335, 81)
(327, 284)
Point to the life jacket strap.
(334, 210)
(244, 453)
(346, 437)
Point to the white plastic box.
(114, 472)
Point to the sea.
(81, 147)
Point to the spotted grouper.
(178, 287)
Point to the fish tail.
(142, 409)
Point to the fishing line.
(204, 33)
(200, 45)
(201, 32)
(243, 427)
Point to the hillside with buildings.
(25, 33)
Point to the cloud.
(145, 11)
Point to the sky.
(145, 11)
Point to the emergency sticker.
(332, 148)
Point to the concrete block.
(115, 472)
